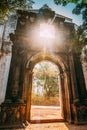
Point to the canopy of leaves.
(80, 39)
(9, 6)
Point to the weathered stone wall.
(84, 65)
(5, 53)
(1, 34)
(4, 71)
(10, 27)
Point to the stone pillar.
(29, 88)
(13, 110)
(13, 81)
(16, 75)
(79, 77)
(73, 79)
(63, 104)
(69, 95)
(79, 105)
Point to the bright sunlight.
(47, 31)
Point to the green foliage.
(79, 40)
(65, 2)
(9, 6)
(51, 86)
(47, 77)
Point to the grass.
(45, 101)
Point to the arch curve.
(57, 60)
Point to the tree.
(80, 39)
(81, 32)
(47, 75)
(9, 6)
(51, 86)
(81, 6)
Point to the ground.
(45, 112)
(53, 126)
(56, 126)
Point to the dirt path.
(45, 112)
(57, 126)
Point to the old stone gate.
(24, 41)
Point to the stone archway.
(27, 50)
(64, 82)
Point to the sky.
(66, 11)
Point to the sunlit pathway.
(45, 112)
(53, 126)
(57, 126)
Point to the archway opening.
(46, 99)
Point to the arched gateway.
(31, 46)
(63, 78)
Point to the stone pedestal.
(80, 113)
(13, 115)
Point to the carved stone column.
(28, 93)
(13, 81)
(79, 77)
(63, 104)
(13, 110)
(73, 79)
(79, 106)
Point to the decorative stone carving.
(79, 113)
(12, 114)
(7, 47)
(82, 113)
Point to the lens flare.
(47, 31)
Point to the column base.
(13, 115)
(5, 126)
(79, 114)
